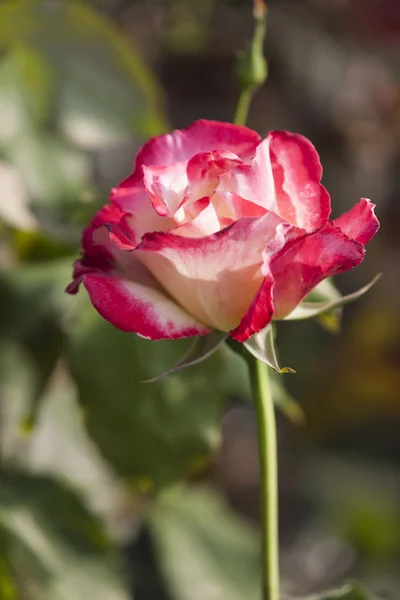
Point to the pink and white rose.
(217, 229)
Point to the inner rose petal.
(167, 187)
(205, 222)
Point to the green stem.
(243, 107)
(267, 445)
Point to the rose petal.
(214, 278)
(99, 249)
(261, 309)
(130, 195)
(205, 169)
(188, 212)
(234, 207)
(360, 223)
(136, 202)
(297, 171)
(209, 165)
(119, 238)
(108, 214)
(167, 187)
(140, 308)
(253, 182)
(87, 264)
(203, 173)
(309, 260)
(176, 147)
(202, 223)
(284, 176)
(258, 315)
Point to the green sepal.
(262, 346)
(202, 348)
(309, 310)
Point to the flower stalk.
(267, 451)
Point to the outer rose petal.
(88, 264)
(141, 309)
(99, 251)
(261, 309)
(300, 197)
(309, 260)
(135, 201)
(96, 239)
(214, 278)
(108, 214)
(259, 314)
(360, 223)
(130, 194)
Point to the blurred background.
(114, 490)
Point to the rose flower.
(217, 229)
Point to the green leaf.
(53, 548)
(262, 346)
(104, 90)
(204, 550)
(153, 433)
(201, 348)
(308, 310)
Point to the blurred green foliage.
(75, 94)
(349, 592)
(219, 551)
(153, 433)
(51, 546)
